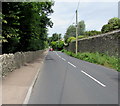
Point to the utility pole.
(58, 38)
(76, 31)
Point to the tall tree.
(71, 30)
(54, 37)
(10, 26)
(26, 25)
(81, 28)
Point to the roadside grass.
(97, 58)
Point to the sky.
(95, 14)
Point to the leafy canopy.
(25, 25)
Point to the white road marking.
(26, 100)
(71, 64)
(60, 56)
(94, 79)
(56, 53)
(63, 59)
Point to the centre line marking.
(60, 56)
(63, 59)
(94, 79)
(56, 53)
(71, 64)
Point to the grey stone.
(10, 62)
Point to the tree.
(57, 45)
(54, 37)
(25, 26)
(106, 28)
(92, 33)
(71, 30)
(112, 24)
(81, 28)
(10, 26)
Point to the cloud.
(94, 14)
(87, 0)
(59, 22)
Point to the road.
(67, 80)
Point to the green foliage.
(25, 25)
(70, 39)
(55, 41)
(82, 36)
(55, 37)
(46, 44)
(81, 28)
(113, 24)
(92, 33)
(71, 30)
(60, 45)
(97, 58)
(53, 45)
(57, 45)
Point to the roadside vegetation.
(56, 41)
(70, 35)
(97, 58)
(25, 26)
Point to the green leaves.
(71, 30)
(113, 24)
(25, 25)
(57, 45)
(97, 58)
(4, 21)
(70, 39)
(92, 33)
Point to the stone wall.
(104, 43)
(10, 62)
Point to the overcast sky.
(95, 14)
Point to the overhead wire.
(71, 20)
(74, 14)
(78, 5)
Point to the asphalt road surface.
(67, 80)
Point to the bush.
(112, 24)
(60, 45)
(82, 36)
(97, 58)
(57, 45)
(70, 39)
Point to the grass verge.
(97, 58)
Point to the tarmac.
(16, 85)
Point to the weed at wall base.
(97, 58)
